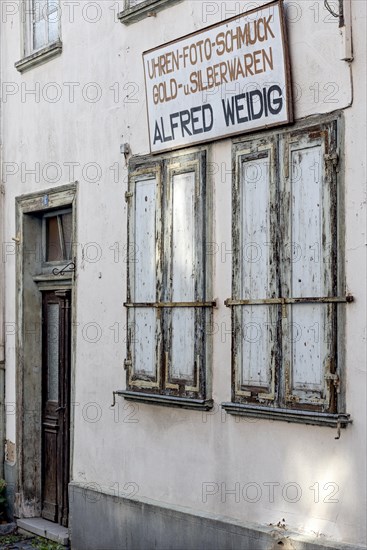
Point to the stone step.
(44, 528)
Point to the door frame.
(30, 282)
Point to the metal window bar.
(163, 305)
(284, 301)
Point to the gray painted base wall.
(104, 522)
(10, 476)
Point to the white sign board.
(227, 79)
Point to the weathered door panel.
(56, 405)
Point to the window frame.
(161, 387)
(32, 56)
(330, 130)
(48, 265)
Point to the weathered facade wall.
(55, 132)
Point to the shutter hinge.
(127, 364)
(2, 189)
(288, 392)
(334, 378)
(333, 158)
(128, 195)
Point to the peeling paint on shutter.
(145, 276)
(285, 276)
(186, 275)
(255, 326)
(183, 275)
(168, 314)
(309, 270)
(144, 331)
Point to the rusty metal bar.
(283, 301)
(64, 270)
(163, 305)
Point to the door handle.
(60, 408)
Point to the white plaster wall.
(168, 454)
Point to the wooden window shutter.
(255, 279)
(308, 260)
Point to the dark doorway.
(56, 338)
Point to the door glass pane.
(53, 244)
(53, 320)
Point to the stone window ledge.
(39, 57)
(340, 420)
(143, 10)
(167, 400)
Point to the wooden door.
(56, 405)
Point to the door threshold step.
(44, 528)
